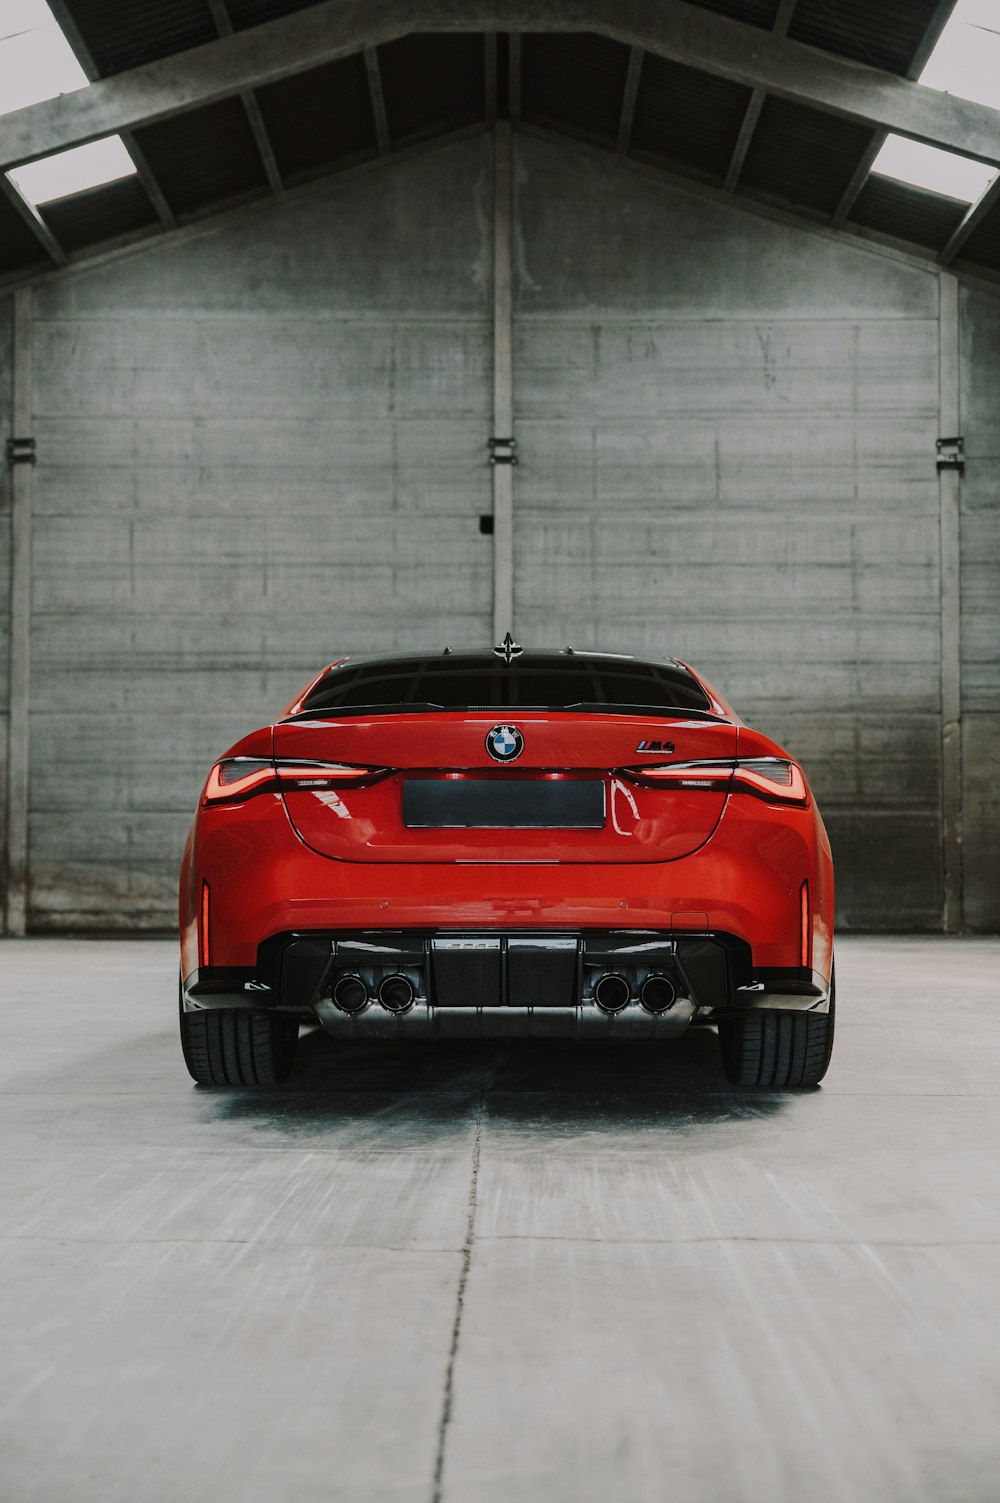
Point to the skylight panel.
(36, 63)
(965, 62)
(73, 171)
(931, 168)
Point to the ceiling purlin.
(629, 96)
(974, 216)
(33, 220)
(255, 120)
(514, 76)
(782, 21)
(490, 76)
(378, 101)
(70, 31)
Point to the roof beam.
(255, 120)
(782, 21)
(629, 97)
(154, 193)
(917, 65)
(336, 28)
(974, 216)
(36, 224)
(378, 101)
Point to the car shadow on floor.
(563, 1085)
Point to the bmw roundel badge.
(504, 743)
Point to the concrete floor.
(490, 1273)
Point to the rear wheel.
(230, 1047)
(777, 1050)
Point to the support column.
(15, 907)
(503, 455)
(949, 480)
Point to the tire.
(230, 1047)
(778, 1050)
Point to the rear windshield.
(539, 681)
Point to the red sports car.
(507, 844)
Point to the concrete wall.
(727, 437)
(257, 451)
(266, 446)
(981, 608)
(6, 397)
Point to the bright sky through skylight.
(966, 62)
(929, 167)
(36, 63)
(72, 171)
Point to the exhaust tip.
(612, 992)
(657, 994)
(396, 993)
(350, 994)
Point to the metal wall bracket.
(951, 453)
(502, 450)
(21, 451)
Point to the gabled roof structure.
(785, 104)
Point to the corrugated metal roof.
(687, 118)
(755, 12)
(244, 13)
(802, 156)
(203, 157)
(574, 83)
(122, 36)
(907, 213)
(319, 119)
(99, 214)
(432, 84)
(885, 35)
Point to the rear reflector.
(805, 941)
(236, 779)
(203, 950)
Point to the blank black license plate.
(502, 804)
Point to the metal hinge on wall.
(951, 453)
(502, 450)
(21, 451)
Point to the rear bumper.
(510, 984)
(746, 882)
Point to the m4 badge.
(662, 748)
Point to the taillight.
(235, 779)
(715, 776)
(771, 778)
(774, 779)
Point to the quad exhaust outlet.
(657, 994)
(350, 994)
(612, 992)
(397, 993)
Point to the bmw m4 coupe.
(503, 844)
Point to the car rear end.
(550, 844)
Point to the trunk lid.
(386, 821)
